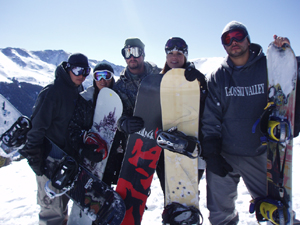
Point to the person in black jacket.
(237, 95)
(51, 115)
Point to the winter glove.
(89, 151)
(191, 73)
(132, 124)
(211, 149)
(35, 160)
(218, 165)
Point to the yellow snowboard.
(180, 105)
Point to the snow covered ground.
(18, 196)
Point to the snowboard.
(277, 126)
(282, 78)
(142, 153)
(180, 105)
(8, 116)
(94, 197)
(107, 112)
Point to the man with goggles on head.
(130, 78)
(229, 147)
(51, 115)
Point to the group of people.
(63, 112)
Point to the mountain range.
(23, 73)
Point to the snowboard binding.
(63, 178)
(279, 129)
(273, 128)
(178, 214)
(267, 209)
(178, 142)
(16, 135)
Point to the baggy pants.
(53, 211)
(222, 191)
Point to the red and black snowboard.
(142, 152)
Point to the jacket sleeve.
(120, 89)
(212, 115)
(44, 110)
(82, 120)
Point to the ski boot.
(15, 136)
(178, 214)
(178, 142)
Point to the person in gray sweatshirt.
(237, 95)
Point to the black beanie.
(78, 59)
(103, 66)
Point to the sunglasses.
(237, 35)
(136, 52)
(102, 74)
(77, 70)
(177, 43)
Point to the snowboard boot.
(178, 214)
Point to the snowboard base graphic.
(142, 153)
(107, 112)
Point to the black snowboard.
(98, 200)
(142, 153)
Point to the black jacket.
(53, 110)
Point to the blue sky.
(99, 28)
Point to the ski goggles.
(102, 74)
(238, 35)
(77, 70)
(176, 44)
(136, 52)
